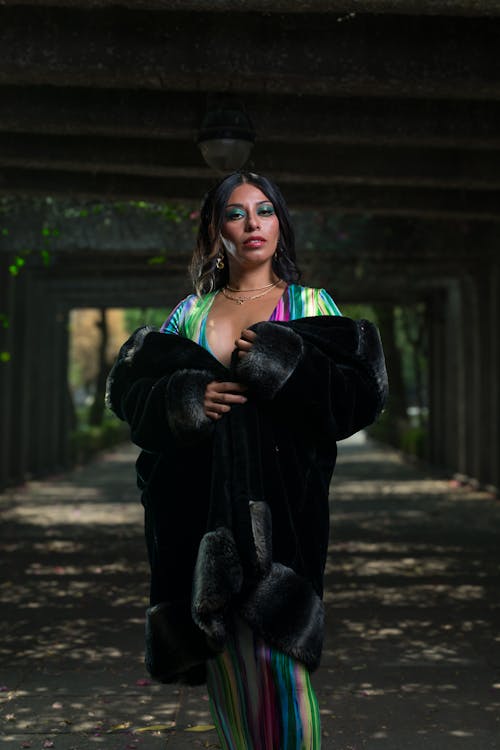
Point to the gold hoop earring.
(219, 263)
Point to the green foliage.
(5, 357)
(357, 312)
(86, 441)
(411, 339)
(414, 441)
(170, 213)
(144, 316)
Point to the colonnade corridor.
(412, 651)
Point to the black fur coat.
(236, 510)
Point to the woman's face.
(250, 230)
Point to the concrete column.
(61, 374)
(458, 337)
(41, 332)
(21, 384)
(452, 392)
(436, 328)
(472, 375)
(494, 424)
(7, 376)
(486, 415)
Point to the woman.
(237, 410)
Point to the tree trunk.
(397, 402)
(96, 413)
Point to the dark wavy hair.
(204, 274)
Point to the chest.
(226, 319)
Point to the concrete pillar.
(494, 424)
(436, 328)
(486, 415)
(42, 453)
(34, 424)
(458, 354)
(472, 376)
(452, 391)
(7, 375)
(61, 376)
(21, 382)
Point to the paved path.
(412, 654)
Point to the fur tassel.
(288, 614)
(271, 360)
(218, 576)
(260, 515)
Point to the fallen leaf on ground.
(200, 728)
(155, 727)
(117, 727)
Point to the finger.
(227, 398)
(213, 414)
(224, 387)
(248, 334)
(242, 344)
(242, 354)
(217, 408)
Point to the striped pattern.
(260, 698)
(189, 317)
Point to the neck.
(251, 279)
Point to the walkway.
(412, 654)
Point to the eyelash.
(263, 211)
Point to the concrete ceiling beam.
(389, 200)
(320, 164)
(427, 57)
(277, 118)
(341, 7)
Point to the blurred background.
(379, 121)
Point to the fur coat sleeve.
(329, 372)
(157, 385)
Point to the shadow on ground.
(412, 651)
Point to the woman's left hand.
(245, 342)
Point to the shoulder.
(313, 301)
(175, 319)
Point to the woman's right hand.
(220, 396)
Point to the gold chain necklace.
(258, 289)
(241, 300)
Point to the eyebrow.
(240, 205)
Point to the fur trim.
(217, 577)
(260, 515)
(136, 342)
(371, 354)
(285, 610)
(271, 360)
(125, 356)
(184, 400)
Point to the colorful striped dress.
(260, 698)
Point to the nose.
(252, 221)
